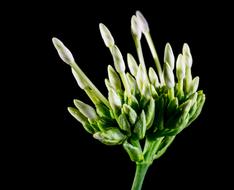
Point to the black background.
(45, 147)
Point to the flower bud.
(132, 115)
(141, 78)
(169, 56)
(150, 113)
(194, 85)
(106, 36)
(187, 55)
(118, 59)
(142, 22)
(63, 51)
(76, 114)
(123, 123)
(111, 136)
(135, 28)
(86, 110)
(140, 126)
(134, 152)
(115, 101)
(168, 76)
(114, 78)
(153, 77)
(132, 64)
(180, 68)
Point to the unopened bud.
(63, 51)
(187, 55)
(114, 78)
(118, 59)
(168, 76)
(153, 77)
(169, 56)
(142, 22)
(87, 110)
(132, 64)
(106, 36)
(79, 79)
(180, 67)
(135, 28)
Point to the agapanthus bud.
(169, 56)
(87, 110)
(132, 115)
(150, 113)
(114, 100)
(180, 68)
(168, 76)
(135, 28)
(78, 115)
(111, 136)
(79, 79)
(153, 77)
(187, 55)
(63, 51)
(132, 64)
(114, 78)
(142, 22)
(194, 85)
(124, 124)
(141, 78)
(140, 126)
(118, 59)
(106, 36)
(135, 153)
(132, 83)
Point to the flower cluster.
(142, 104)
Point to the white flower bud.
(132, 64)
(118, 59)
(114, 99)
(76, 114)
(114, 78)
(142, 22)
(168, 76)
(135, 28)
(86, 109)
(180, 67)
(63, 51)
(153, 77)
(106, 36)
(194, 85)
(169, 56)
(187, 55)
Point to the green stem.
(141, 170)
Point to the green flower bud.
(153, 92)
(115, 101)
(123, 123)
(79, 79)
(153, 77)
(136, 30)
(140, 126)
(132, 115)
(150, 113)
(135, 153)
(111, 136)
(108, 84)
(63, 51)
(172, 106)
(141, 78)
(86, 110)
(169, 56)
(106, 36)
(142, 22)
(102, 110)
(132, 64)
(168, 76)
(132, 102)
(118, 59)
(76, 114)
(114, 78)
(180, 68)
